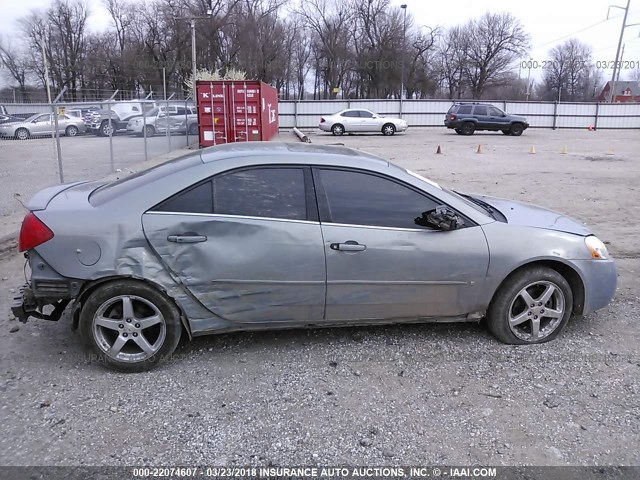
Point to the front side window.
(363, 199)
(495, 112)
(365, 114)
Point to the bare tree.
(497, 41)
(452, 58)
(569, 70)
(330, 22)
(17, 64)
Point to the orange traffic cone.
(479, 150)
(439, 150)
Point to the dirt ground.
(394, 395)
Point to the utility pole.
(615, 64)
(192, 22)
(404, 48)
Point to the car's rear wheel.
(71, 131)
(506, 132)
(532, 306)
(458, 131)
(337, 129)
(388, 129)
(130, 325)
(516, 129)
(468, 128)
(22, 134)
(149, 130)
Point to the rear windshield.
(114, 189)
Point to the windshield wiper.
(485, 206)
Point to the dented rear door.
(240, 260)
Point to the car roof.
(298, 152)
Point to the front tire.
(388, 129)
(532, 306)
(149, 131)
(71, 131)
(516, 129)
(130, 326)
(337, 130)
(106, 129)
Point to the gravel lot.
(395, 395)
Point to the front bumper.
(600, 281)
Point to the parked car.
(175, 118)
(359, 120)
(6, 118)
(466, 118)
(42, 124)
(264, 235)
(115, 118)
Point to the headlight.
(596, 247)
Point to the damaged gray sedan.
(260, 236)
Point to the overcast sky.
(547, 21)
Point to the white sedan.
(356, 120)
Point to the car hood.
(529, 215)
(517, 118)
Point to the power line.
(575, 33)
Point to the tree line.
(320, 49)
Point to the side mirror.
(441, 218)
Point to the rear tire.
(129, 325)
(458, 131)
(468, 128)
(22, 134)
(506, 132)
(388, 129)
(337, 130)
(532, 306)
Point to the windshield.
(472, 202)
(152, 113)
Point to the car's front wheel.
(388, 129)
(516, 129)
(337, 129)
(130, 325)
(532, 306)
(149, 131)
(71, 131)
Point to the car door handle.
(348, 246)
(187, 238)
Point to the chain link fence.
(42, 144)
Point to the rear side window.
(198, 199)
(357, 198)
(261, 192)
(480, 110)
(464, 110)
(351, 113)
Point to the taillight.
(452, 117)
(33, 233)
(321, 119)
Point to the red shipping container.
(236, 111)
